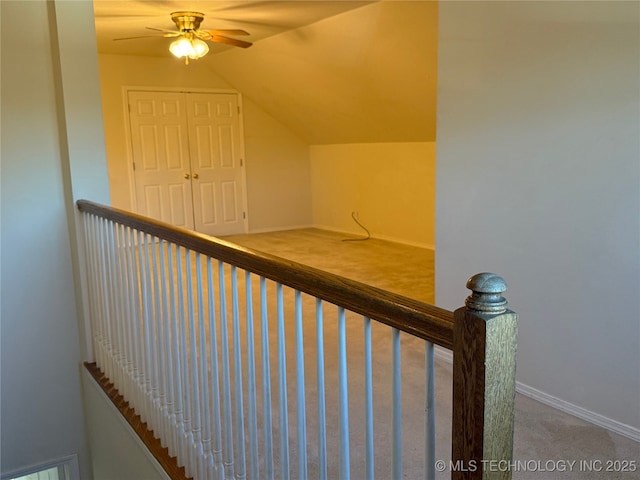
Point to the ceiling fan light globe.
(181, 47)
(189, 47)
(199, 48)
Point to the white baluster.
(196, 454)
(206, 463)
(430, 414)
(159, 402)
(111, 320)
(216, 441)
(241, 464)
(301, 405)
(152, 316)
(112, 325)
(266, 383)
(89, 225)
(175, 354)
(114, 304)
(397, 407)
(282, 388)
(368, 401)
(121, 292)
(143, 252)
(136, 320)
(322, 417)
(106, 334)
(251, 381)
(345, 461)
(166, 357)
(138, 362)
(131, 316)
(227, 451)
(118, 307)
(187, 435)
(94, 295)
(104, 301)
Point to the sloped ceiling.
(332, 72)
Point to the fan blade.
(133, 38)
(230, 41)
(207, 34)
(162, 30)
(227, 32)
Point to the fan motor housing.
(187, 21)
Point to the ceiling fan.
(191, 42)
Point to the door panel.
(229, 202)
(214, 128)
(207, 197)
(159, 136)
(179, 197)
(152, 200)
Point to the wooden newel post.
(484, 366)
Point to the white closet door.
(187, 157)
(216, 164)
(159, 137)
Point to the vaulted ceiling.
(332, 71)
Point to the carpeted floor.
(549, 444)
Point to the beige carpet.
(545, 438)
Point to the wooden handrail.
(411, 316)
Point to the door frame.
(129, 143)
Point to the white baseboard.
(343, 232)
(376, 236)
(279, 229)
(582, 413)
(595, 418)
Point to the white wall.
(538, 179)
(277, 162)
(117, 452)
(390, 185)
(52, 152)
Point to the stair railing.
(178, 331)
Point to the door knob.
(186, 176)
(196, 176)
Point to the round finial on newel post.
(487, 291)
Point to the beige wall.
(390, 185)
(337, 94)
(365, 76)
(278, 173)
(277, 164)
